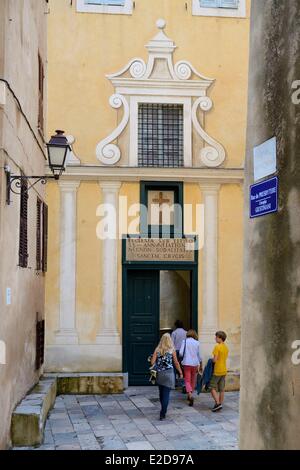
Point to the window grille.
(160, 135)
(40, 344)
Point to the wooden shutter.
(40, 343)
(45, 238)
(41, 94)
(38, 234)
(23, 236)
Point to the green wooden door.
(142, 323)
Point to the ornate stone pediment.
(161, 81)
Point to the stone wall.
(270, 382)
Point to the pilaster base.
(66, 336)
(83, 358)
(207, 342)
(108, 337)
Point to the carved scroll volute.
(107, 152)
(213, 154)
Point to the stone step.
(29, 417)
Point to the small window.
(105, 2)
(23, 234)
(160, 135)
(221, 8)
(219, 3)
(118, 7)
(40, 344)
(164, 204)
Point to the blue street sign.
(264, 197)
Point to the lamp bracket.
(14, 183)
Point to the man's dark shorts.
(217, 382)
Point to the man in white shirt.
(178, 335)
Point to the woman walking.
(163, 358)
(191, 361)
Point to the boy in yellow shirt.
(217, 383)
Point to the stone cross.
(160, 201)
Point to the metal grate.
(160, 135)
(40, 343)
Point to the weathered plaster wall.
(23, 35)
(270, 398)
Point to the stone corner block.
(90, 384)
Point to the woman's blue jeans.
(164, 396)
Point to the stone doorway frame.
(127, 266)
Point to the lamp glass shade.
(57, 155)
(58, 148)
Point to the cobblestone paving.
(130, 422)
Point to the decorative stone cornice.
(188, 175)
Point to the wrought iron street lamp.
(57, 149)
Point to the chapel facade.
(147, 221)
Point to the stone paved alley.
(130, 422)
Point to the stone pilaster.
(210, 268)
(108, 333)
(67, 333)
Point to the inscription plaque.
(160, 249)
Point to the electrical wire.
(24, 115)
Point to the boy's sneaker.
(217, 407)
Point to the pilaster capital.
(110, 186)
(68, 186)
(210, 188)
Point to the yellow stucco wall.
(78, 92)
(98, 44)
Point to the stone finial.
(161, 24)
(161, 43)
